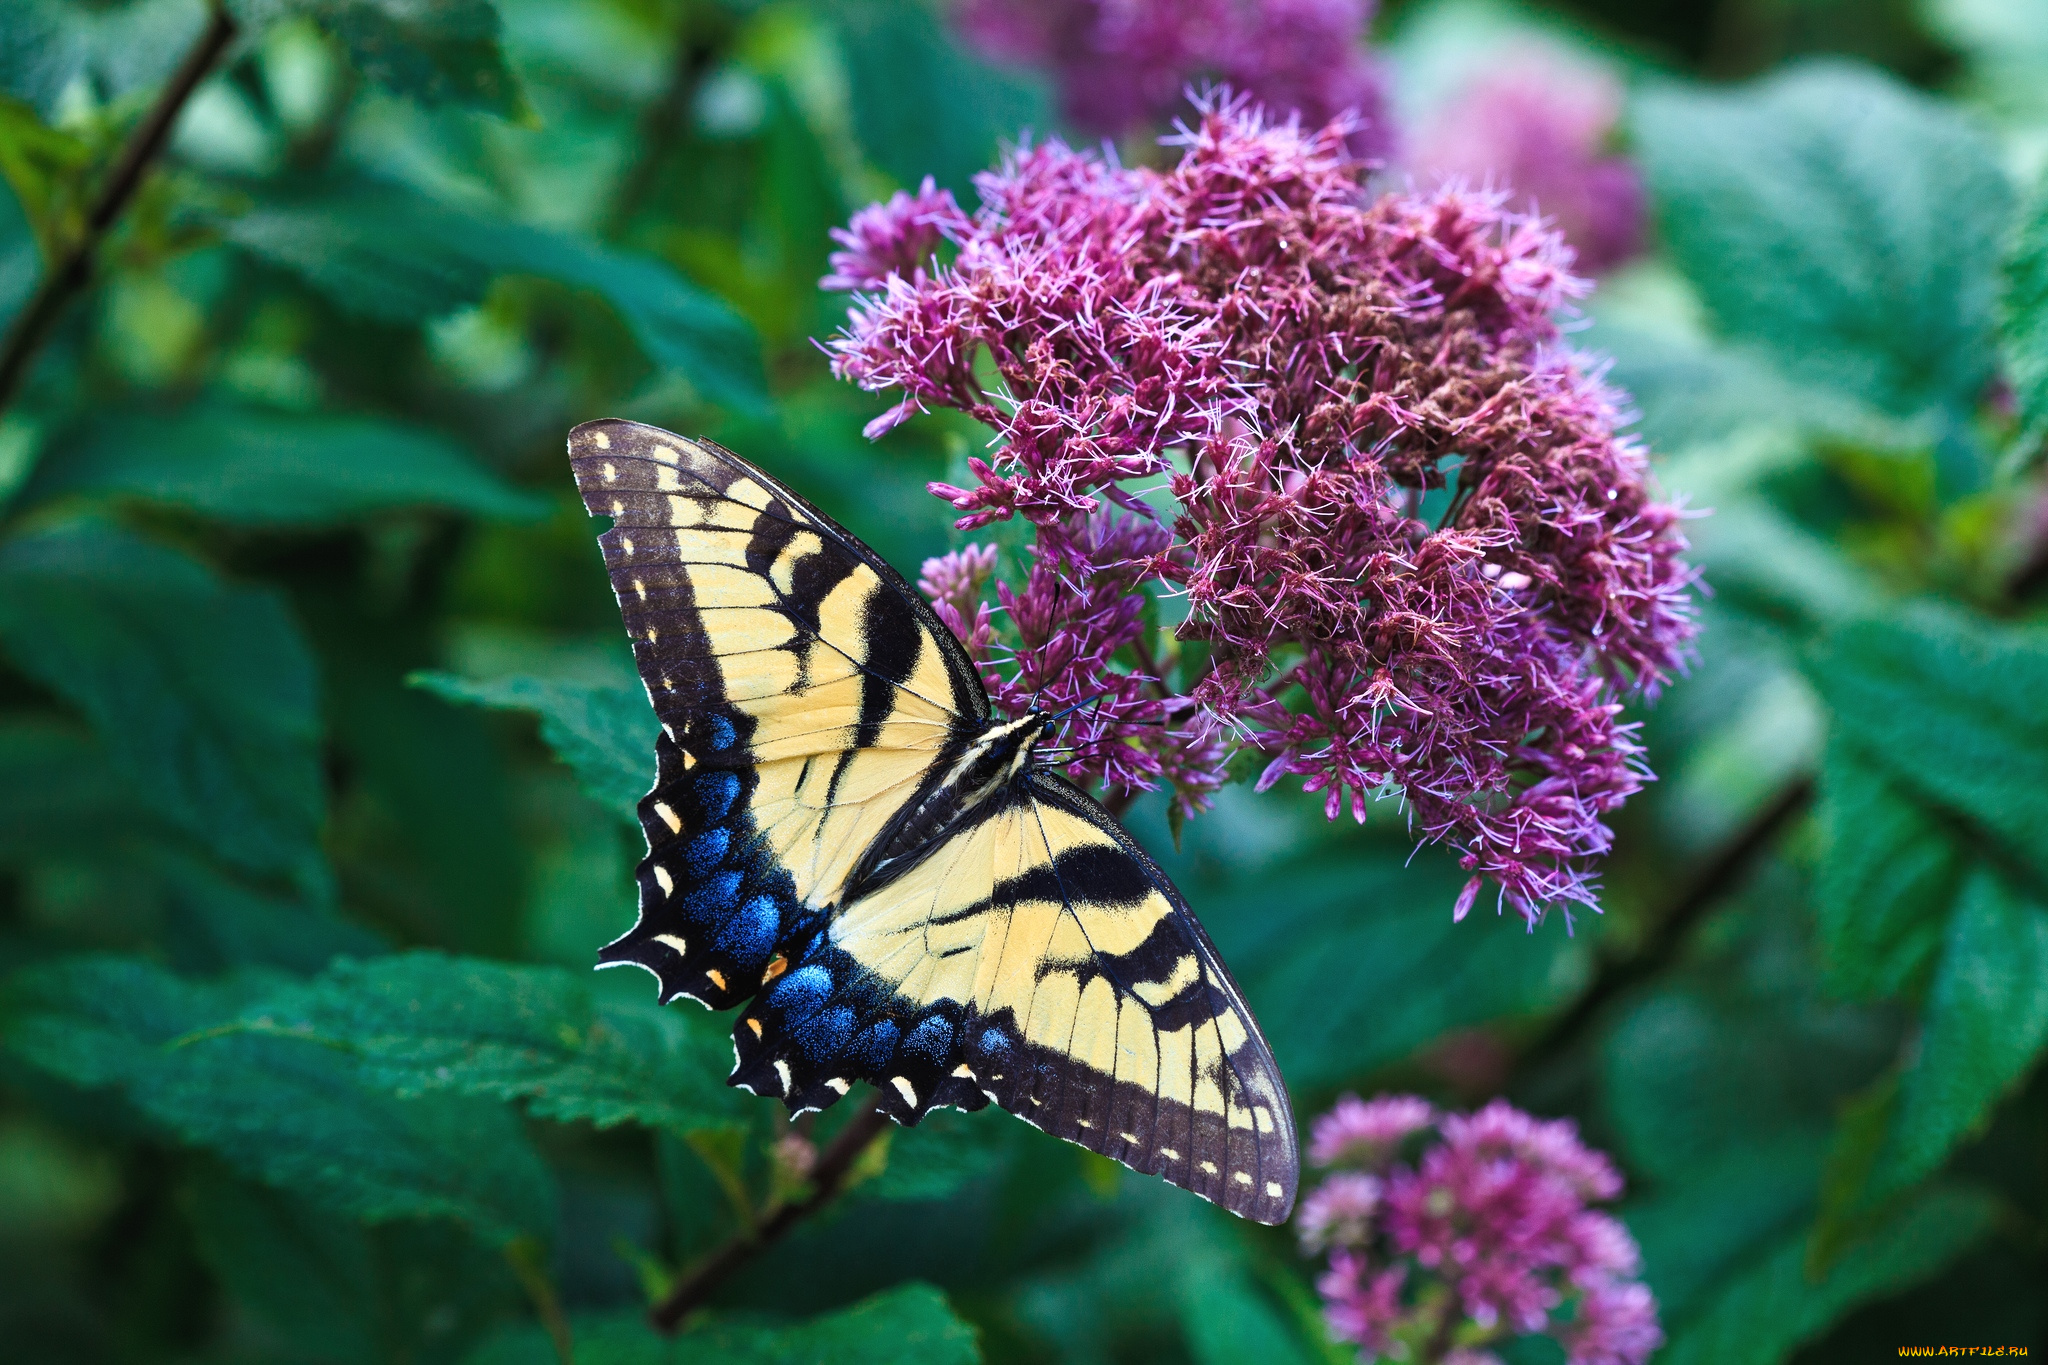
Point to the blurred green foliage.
(317, 731)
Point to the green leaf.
(434, 51)
(1737, 1052)
(1712, 1221)
(942, 1153)
(1888, 878)
(1984, 1026)
(404, 260)
(59, 794)
(1950, 706)
(2023, 311)
(257, 468)
(45, 169)
(45, 45)
(1846, 1201)
(604, 733)
(1690, 393)
(384, 253)
(1839, 221)
(1168, 1266)
(217, 922)
(21, 267)
(1759, 559)
(328, 1290)
(1227, 1320)
(63, 802)
(924, 105)
(202, 692)
(296, 1114)
(1766, 1313)
(304, 1273)
(425, 1022)
(909, 1325)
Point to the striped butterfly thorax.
(844, 838)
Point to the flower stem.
(1439, 1343)
(67, 278)
(529, 1267)
(828, 1179)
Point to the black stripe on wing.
(1244, 1157)
(630, 491)
(713, 560)
(831, 1022)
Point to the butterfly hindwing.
(1039, 959)
(802, 851)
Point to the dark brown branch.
(67, 278)
(663, 121)
(1668, 937)
(828, 1178)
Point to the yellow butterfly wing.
(1038, 958)
(805, 693)
(1031, 955)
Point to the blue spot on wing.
(826, 1033)
(801, 993)
(930, 1039)
(715, 895)
(720, 732)
(750, 933)
(716, 792)
(875, 1046)
(706, 851)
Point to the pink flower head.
(1501, 1130)
(1541, 123)
(1122, 64)
(954, 583)
(1415, 559)
(1494, 1214)
(893, 238)
(1360, 1304)
(1616, 1325)
(956, 579)
(1368, 1134)
(1338, 1211)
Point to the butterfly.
(844, 837)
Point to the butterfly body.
(844, 838)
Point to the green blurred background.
(302, 439)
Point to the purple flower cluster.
(1124, 64)
(1483, 1233)
(1541, 123)
(1341, 432)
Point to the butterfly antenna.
(1059, 716)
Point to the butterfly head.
(1011, 745)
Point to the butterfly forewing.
(1027, 953)
(803, 698)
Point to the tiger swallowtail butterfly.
(843, 838)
